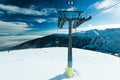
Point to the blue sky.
(21, 20)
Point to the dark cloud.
(28, 3)
(20, 3)
(36, 4)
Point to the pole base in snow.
(69, 72)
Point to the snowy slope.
(50, 64)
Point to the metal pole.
(70, 45)
(69, 71)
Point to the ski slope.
(50, 64)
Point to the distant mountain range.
(107, 41)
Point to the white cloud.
(89, 27)
(48, 11)
(41, 20)
(99, 27)
(106, 4)
(15, 40)
(48, 20)
(13, 27)
(14, 9)
(71, 9)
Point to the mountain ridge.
(96, 40)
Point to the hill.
(50, 64)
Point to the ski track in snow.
(50, 64)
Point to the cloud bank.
(13, 27)
(10, 9)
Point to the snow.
(50, 64)
(95, 31)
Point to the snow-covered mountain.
(98, 40)
(50, 64)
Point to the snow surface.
(50, 64)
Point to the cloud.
(41, 20)
(105, 4)
(99, 27)
(48, 20)
(48, 11)
(71, 9)
(14, 9)
(112, 12)
(15, 40)
(13, 27)
(89, 27)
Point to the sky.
(22, 20)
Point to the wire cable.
(105, 9)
